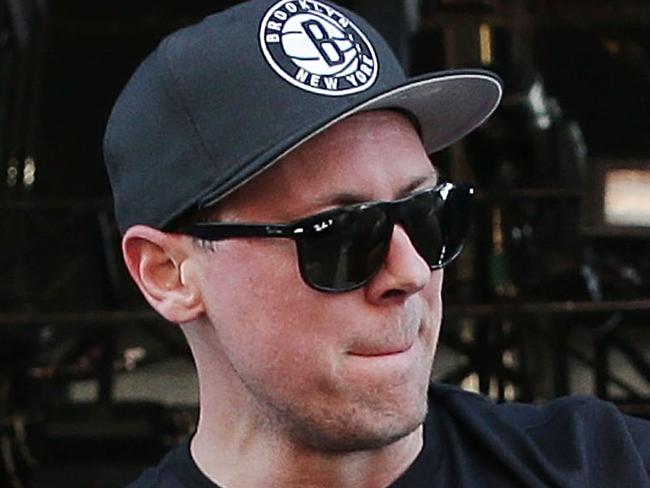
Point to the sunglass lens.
(455, 221)
(437, 222)
(421, 218)
(348, 251)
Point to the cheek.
(240, 271)
(262, 311)
(432, 302)
(432, 293)
(249, 282)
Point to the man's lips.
(398, 342)
(373, 352)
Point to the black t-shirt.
(471, 441)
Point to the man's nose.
(403, 273)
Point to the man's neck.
(272, 462)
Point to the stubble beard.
(351, 422)
(326, 429)
(344, 435)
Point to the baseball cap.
(220, 101)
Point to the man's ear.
(156, 262)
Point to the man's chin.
(354, 436)
(367, 443)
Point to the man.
(271, 181)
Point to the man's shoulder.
(579, 410)
(161, 475)
(173, 471)
(594, 435)
(148, 479)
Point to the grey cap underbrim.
(446, 105)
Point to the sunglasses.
(343, 249)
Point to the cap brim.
(447, 106)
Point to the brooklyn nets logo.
(317, 48)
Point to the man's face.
(332, 371)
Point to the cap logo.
(318, 49)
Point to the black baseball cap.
(218, 102)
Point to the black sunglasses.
(342, 249)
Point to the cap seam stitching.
(177, 89)
(177, 93)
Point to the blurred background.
(551, 296)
